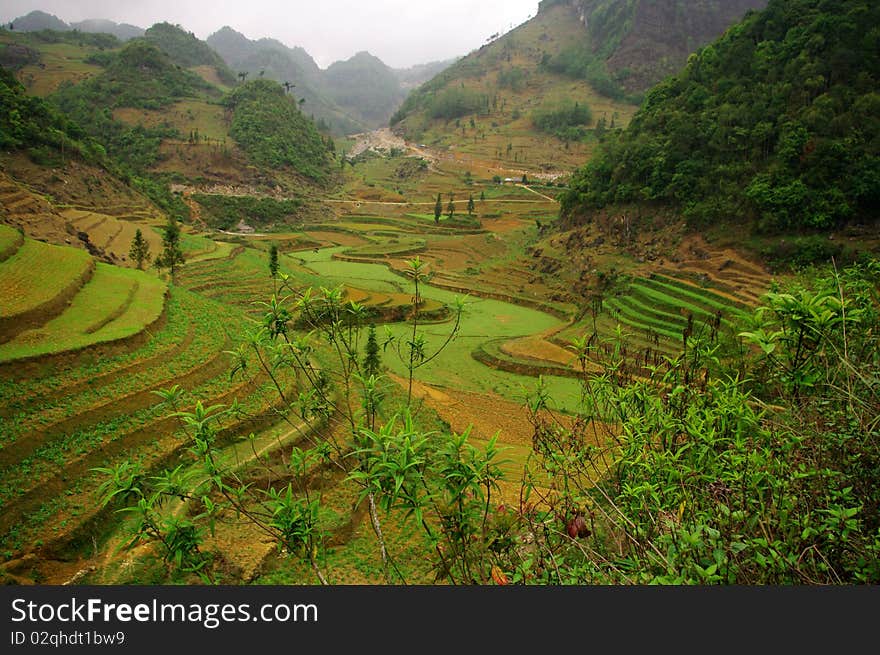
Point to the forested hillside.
(629, 45)
(272, 59)
(188, 51)
(776, 124)
(274, 132)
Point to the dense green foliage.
(778, 121)
(73, 37)
(31, 123)
(580, 62)
(225, 212)
(455, 103)
(759, 470)
(140, 75)
(566, 120)
(186, 50)
(270, 127)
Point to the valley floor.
(529, 289)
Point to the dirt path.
(537, 193)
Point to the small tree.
(273, 260)
(372, 359)
(450, 208)
(140, 249)
(438, 209)
(172, 255)
(470, 205)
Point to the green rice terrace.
(88, 350)
(540, 329)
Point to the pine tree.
(273, 261)
(471, 206)
(140, 249)
(372, 359)
(172, 255)
(438, 209)
(450, 208)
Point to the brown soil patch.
(538, 348)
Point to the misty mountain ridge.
(351, 95)
(40, 20)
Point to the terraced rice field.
(484, 320)
(10, 241)
(664, 306)
(62, 418)
(110, 233)
(60, 424)
(115, 304)
(37, 282)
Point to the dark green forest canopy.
(272, 130)
(776, 124)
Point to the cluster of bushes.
(456, 102)
(512, 78)
(28, 122)
(581, 63)
(225, 212)
(567, 119)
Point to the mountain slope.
(500, 87)
(365, 87)
(776, 124)
(414, 76)
(593, 54)
(629, 45)
(122, 31)
(39, 20)
(273, 60)
(188, 51)
(274, 132)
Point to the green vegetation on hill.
(628, 45)
(270, 127)
(225, 212)
(33, 124)
(778, 122)
(185, 49)
(139, 75)
(275, 61)
(95, 40)
(567, 119)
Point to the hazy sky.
(400, 32)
